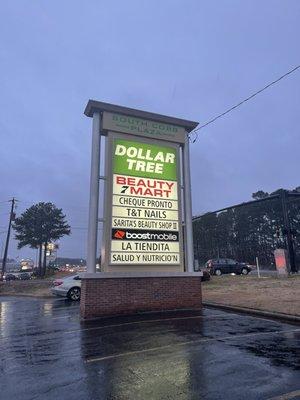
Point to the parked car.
(227, 266)
(68, 287)
(24, 276)
(10, 277)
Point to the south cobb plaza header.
(143, 127)
(145, 222)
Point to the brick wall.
(127, 295)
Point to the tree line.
(247, 231)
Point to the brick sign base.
(104, 294)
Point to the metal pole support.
(288, 235)
(94, 195)
(188, 207)
(257, 267)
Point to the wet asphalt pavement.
(47, 353)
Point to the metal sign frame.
(95, 110)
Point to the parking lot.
(47, 353)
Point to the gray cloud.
(188, 59)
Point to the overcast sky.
(186, 58)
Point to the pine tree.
(38, 226)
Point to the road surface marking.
(143, 322)
(168, 346)
(60, 332)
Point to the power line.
(242, 102)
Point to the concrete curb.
(253, 311)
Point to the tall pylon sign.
(147, 224)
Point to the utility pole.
(287, 231)
(11, 218)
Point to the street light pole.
(11, 218)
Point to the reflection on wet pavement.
(47, 353)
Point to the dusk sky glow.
(189, 59)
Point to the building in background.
(26, 265)
(68, 264)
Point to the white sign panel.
(145, 210)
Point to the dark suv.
(227, 266)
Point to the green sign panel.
(144, 160)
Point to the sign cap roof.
(98, 106)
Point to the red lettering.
(121, 180)
(131, 181)
(158, 192)
(146, 187)
(136, 191)
(141, 182)
(170, 185)
(148, 192)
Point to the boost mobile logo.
(151, 236)
(155, 236)
(119, 234)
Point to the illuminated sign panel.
(145, 210)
